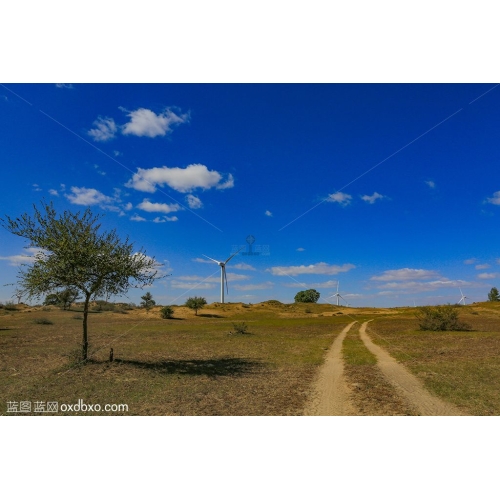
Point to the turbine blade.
(216, 261)
(234, 255)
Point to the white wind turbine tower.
(223, 273)
(337, 294)
(463, 297)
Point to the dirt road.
(406, 383)
(331, 396)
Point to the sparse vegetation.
(166, 312)
(440, 318)
(196, 303)
(43, 321)
(240, 328)
(10, 306)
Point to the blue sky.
(393, 189)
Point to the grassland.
(190, 365)
(198, 365)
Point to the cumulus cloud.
(482, 266)
(137, 218)
(36, 187)
(193, 201)
(268, 213)
(174, 218)
(202, 261)
(373, 198)
(184, 180)
(243, 267)
(146, 123)
(27, 257)
(470, 261)
(431, 184)
(87, 196)
(228, 184)
(104, 129)
(53, 192)
(300, 249)
(322, 284)
(319, 268)
(405, 274)
(488, 276)
(423, 286)
(164, 208)
(341, 198)
(188, 286)
(256, 286)
(495, 199)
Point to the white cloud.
(470, 261)
(194, 286)
(87, 196)
(164, 208)
(146, 123)
(36, 187)
(183, 180)
(423, 286)
(256, 286)
(25, 258)
(128, 206)
(228, 184)
(105, 129)
(64, 86)
(159, 220)
(405, 274)
(431, 184)
(342, 198)
(488, 276)
(174, 218)
(137, 218)
(202, 261)
(373, 198)
(117, 153)
(193, 201)
(319, 268)
(495, 200)
(243, 267)
(268, 213)
(300, 249)
(53, 192)
(323, 284)
(482, 266)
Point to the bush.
(196, 303)
(166, 312)
(43, 321)
(440, 319)
(10, 306)
(240, 328)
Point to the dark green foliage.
(62, 299)
(75, 254)
(440, 318)
(195, 303)
(493, 295)
(307, 296)
(147, 301)
(166, 312)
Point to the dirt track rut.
(406, 383)
(331, 396)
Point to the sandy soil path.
(331, 395)
(406, 383)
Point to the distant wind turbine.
(463, 297)
(337, 294)
(223, 273)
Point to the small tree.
(440, 319)
(494, 296)
(195, 303)
(73, 254)
(67, 297)
(147, 301)
(166, 312)
(307, 296)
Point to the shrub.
(240, 328)
(10, 306)
(43, 321)
(440, 318)
(166, 312)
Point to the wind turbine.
(223, 273)
(338, 295)
(463, 297)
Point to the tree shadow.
(206, 315)
(216, 367)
